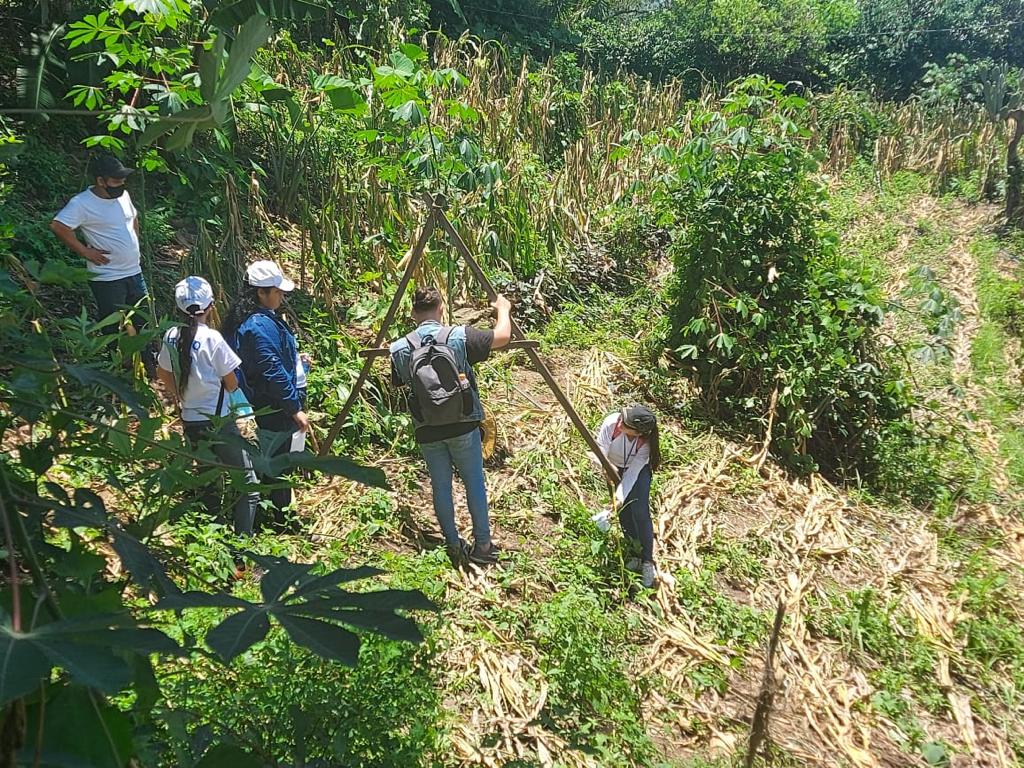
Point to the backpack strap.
(414, 340)
(442, 335)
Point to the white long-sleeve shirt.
(630, 455)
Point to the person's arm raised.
(503, 327)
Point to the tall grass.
(570, 150)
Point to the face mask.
(114, 192)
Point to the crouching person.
(630, 441)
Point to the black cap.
(640, 418)
(109, 167)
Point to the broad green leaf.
(345, 98)
(325, 640)
(84, 512)
(412, 51)
(394, 98)
(82, 730)
(81, 646)
(145, 569)
(184, 126)
(183, 135)
(238, 13)
(339, 576)
(145, 685)
(209, 67)
(23, 665)
(402, 63)
(37, 458)
(238, 633)
(142, 640)
(88, 665)
(87, 376)
(340, 466)
(381, 600)
(280, 577)
(390, 625)
(250, 38)
(410, 112)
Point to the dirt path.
(961, 282)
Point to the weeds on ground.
(876, 632)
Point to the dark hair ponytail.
(654, 446)
(186, 335)
(247, 304)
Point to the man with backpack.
(436, 363)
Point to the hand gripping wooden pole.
(442, 221)
(437, 217)
(410, 268)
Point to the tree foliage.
(768, 318)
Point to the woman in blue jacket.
(272, 374)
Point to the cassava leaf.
(325, 640)
(238, 632)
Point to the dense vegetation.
(741, 212)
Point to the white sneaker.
(633, 564)
(649, 575)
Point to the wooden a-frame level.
(436, 218)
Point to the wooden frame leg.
(517, 333)
(410, 267)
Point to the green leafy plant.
(771, 322)
(76, 626)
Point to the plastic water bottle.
(240, 406)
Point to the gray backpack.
(440, 394)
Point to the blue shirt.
(470, 346)
(268, 373)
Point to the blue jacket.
(267, 374)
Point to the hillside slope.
(902, 643)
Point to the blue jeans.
(465, 454)
(635, 516)
(202, 432)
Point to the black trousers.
(124, 294)
(635, 516)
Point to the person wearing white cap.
(273, 374)
(197, 367)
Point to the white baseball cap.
(266, 274)
(193, 295)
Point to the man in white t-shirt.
(107, 220)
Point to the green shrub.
(592, 697)
(289, 705)
(764, 312)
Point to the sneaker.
(633, 564)
(459, 553)
(648, 575)
(484, 555)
